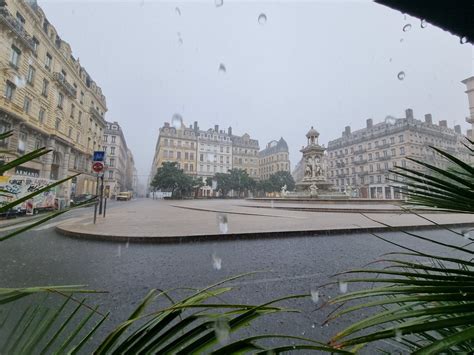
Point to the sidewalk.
(196, 220)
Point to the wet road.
(128, 271)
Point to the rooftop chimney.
(409, 113)
(167, 124)
(229, 131)
(428, 118)
(457, 129)
(196, 125)
(216, 128)
(443, 123)
(370, 123)
(347, 130)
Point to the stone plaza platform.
(175, 221)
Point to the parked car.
(124, 196)
(80, 199)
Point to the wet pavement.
(129, 271)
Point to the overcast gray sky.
(313, 63)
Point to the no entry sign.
(98, 166)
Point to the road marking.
(15, 226)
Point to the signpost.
(98, 167)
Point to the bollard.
(105, 205)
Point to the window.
(79, 120)
(73, 109)
(78, 137)
(400, 138)
(69, 133)
(112, 162)
(38, 143)
(27, 104)
(191, 167)
(22, 138)
(9, 90)
(41, 115)
(48, 61)
(20, 19)
(30, 78)
(178, 155)
(402, 150)
(44, 90)
(112, 150)
(15, 57)
(392, 140)
(393, 152)
(57, 125)
(113, 139)
(111, 174)
(105, 138)
(191, 156)
(60, 100)
(186, 155)
(371, 179)
(82, 98)
(201, 157)
(370, 156)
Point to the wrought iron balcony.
(384, 157)
(360, 162)
(383, 146)
(68, 88)
(360, 151)
(363, 173)
(94, 112)
(341, 175)
(17, 27)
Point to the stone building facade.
(245, 153)
(362, 159)
(469, 82)
(47, 99)
(275, 157)
(119, 161)
(176, 143)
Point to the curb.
(346, 210)
(251, 235)
(21, 220)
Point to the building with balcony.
(363, 159)
(46, 99)
(245, 153)
(275, 157)
(469, 82)
(214, 151)
(119, 160)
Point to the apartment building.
(275, 157)
(119, 160)
(47, 99)
(214, 151)
(469, 82)
(362, 159)
(245, 153)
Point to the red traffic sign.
(98, 166)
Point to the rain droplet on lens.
(423, 23)
(466, 234)
(20, 82)
(407, 27)
(222, 221)
(222, 68)
(398, 335)
(463, 39)
(222, 329)
(401, 40)
(401, 75)
(177, 121)
(119, 251)
(216, 262)
(343, 286)
(219, 3)
(313, 325)
(315, 296)
(178, 11)
(262, 19)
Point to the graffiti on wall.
(18, 186)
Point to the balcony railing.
(363, 173)
(360, 151)
(384, 157)
(383, 146)
(94, 112)
(341, 175)
(17, 27)
(340, 164)
(360, 162)
(68, 88)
